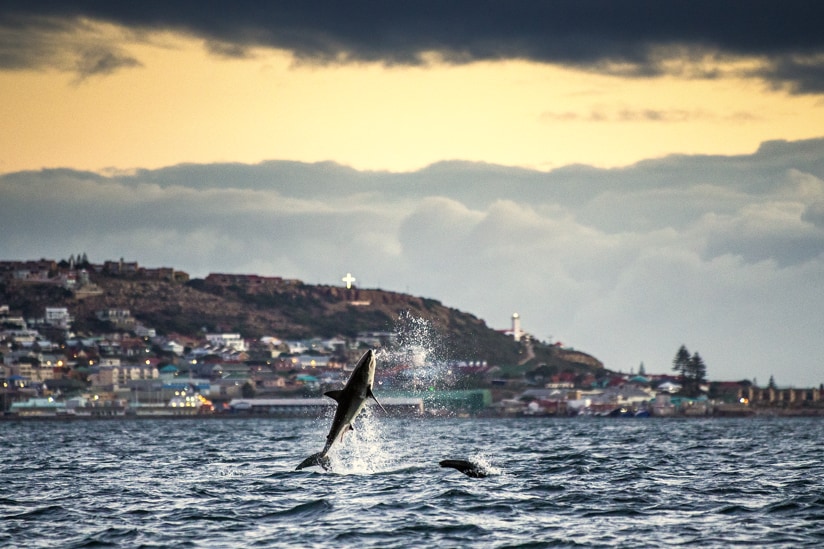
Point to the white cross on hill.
(349, 279)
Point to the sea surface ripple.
(589, 482)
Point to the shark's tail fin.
(315, 460)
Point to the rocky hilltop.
(287, 309)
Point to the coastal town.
(49, 369)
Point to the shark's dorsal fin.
(371, 394)
(335, 395)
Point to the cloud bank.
(780, 43)
(723, 254)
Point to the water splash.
(413, 363)
(416, 356)
(482, 461)
(363, 450)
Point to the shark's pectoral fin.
(335, 395)
(346, 430)
(371, 394)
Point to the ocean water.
(589, 482)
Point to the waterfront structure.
(297, 407)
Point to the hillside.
(287, 310)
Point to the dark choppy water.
(586, 482)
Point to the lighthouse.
(516, 327)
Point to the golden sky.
(722, 253)
(184, 104)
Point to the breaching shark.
(351, 400)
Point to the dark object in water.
(466, 467)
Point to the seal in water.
(466, 467)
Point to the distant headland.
(116, 339)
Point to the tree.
(681, 362)
(696, 374)
(641, 370)
(247, 390)
(772, 384)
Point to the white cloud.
(725, 255)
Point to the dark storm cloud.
(634, 38)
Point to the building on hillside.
(120, 267)
(10, 319)
(250, 283)
(309, 362)
(33, 370)
(173, 347)
(296, 347)
(269, 381)
(270, 347)
(135, 347)
(376, 339)
(25, 337)
(231, 369)
(335, 344)
(232, 341)
(117, 376)
(144, 331)
(121, 318)
(58, 317)
(28, 271)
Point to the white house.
(58, 317)
(233, 341)
(173, 347)
(143, 331)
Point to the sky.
(627, 176)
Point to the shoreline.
(754, 414)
